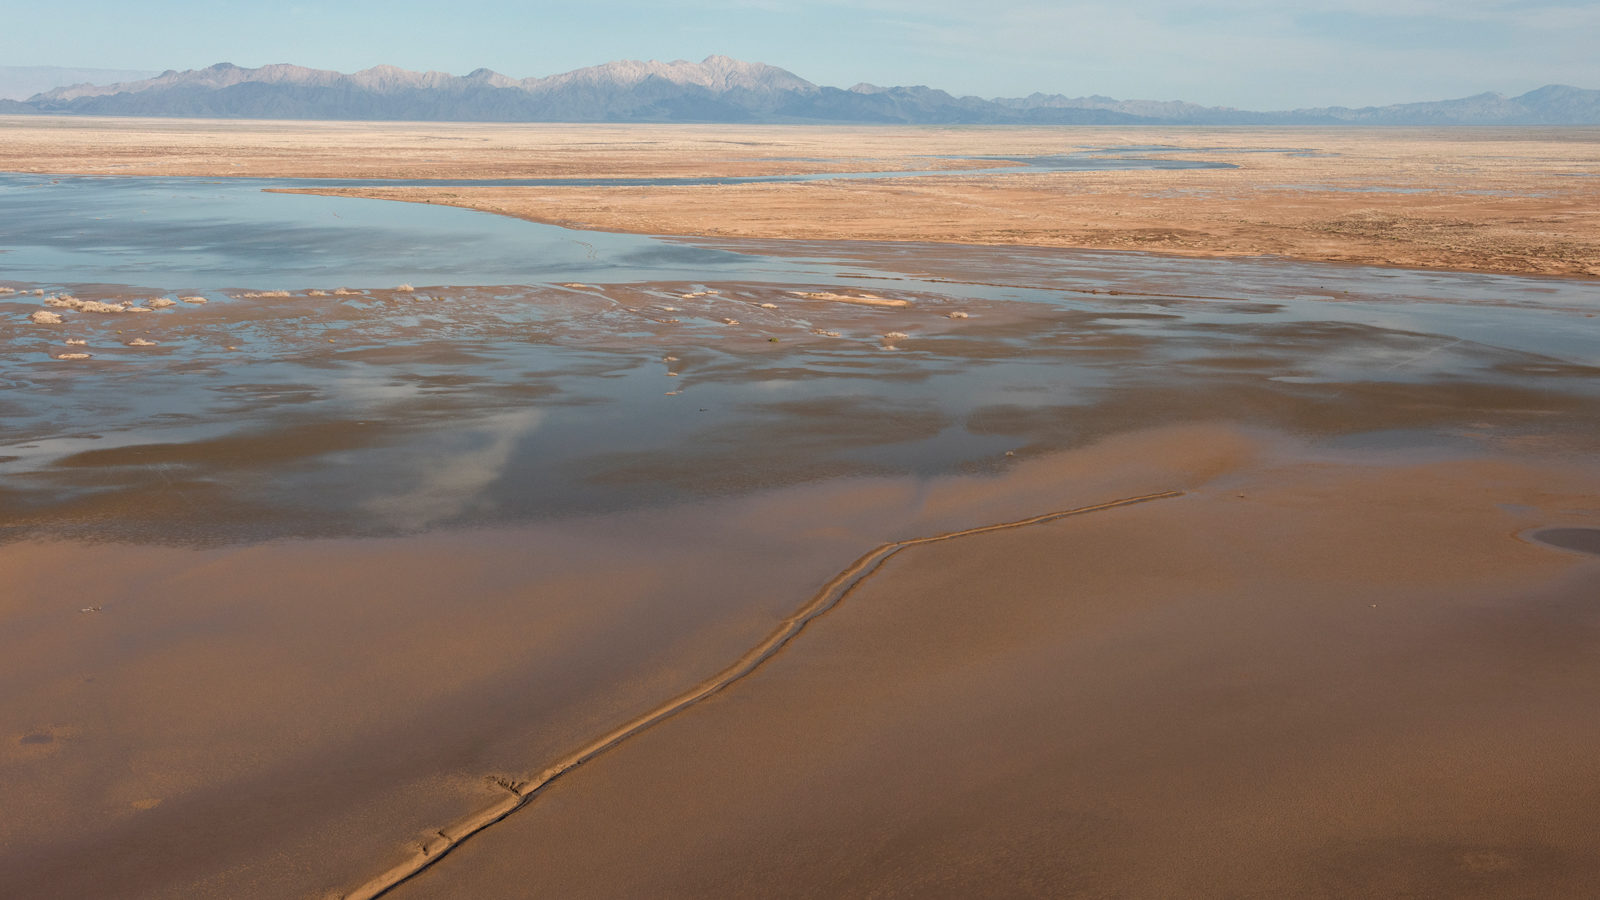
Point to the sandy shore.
(1502, 200)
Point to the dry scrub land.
(1503, 200)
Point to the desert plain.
(1103, 531)
(1479, 199)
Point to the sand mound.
(260, 295)
(141, 342)
(863, 299)
(67, 301)
(160, 302)
(45, 317)
(193, 299)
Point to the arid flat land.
(1516, 200)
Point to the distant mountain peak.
(714, 73)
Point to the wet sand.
(1521, 200)
(1311, 681)
(1291, 669)
(280, 718)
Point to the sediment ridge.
(520, 793)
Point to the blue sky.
(1259, 54)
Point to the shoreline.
(1445, 199)
(728, 240)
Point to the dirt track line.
(520, 794)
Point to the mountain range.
(717, 89)
(22, 82)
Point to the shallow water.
(209, 234)
(206, 234)
(494, 393)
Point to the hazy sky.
(1257, 54)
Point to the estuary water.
(534, 370)
(209, 233)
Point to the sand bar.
(1496, 199)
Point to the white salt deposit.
(67, 301)
(193, 299)
(45, 317)
(864, 299)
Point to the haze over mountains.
(717, 89)
(22, 82)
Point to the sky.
(1253, 54)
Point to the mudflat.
(1524, 200)
(1314, 682)
(860, 568)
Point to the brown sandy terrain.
(1324, 681)
(1504, 200)
(278, 719)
